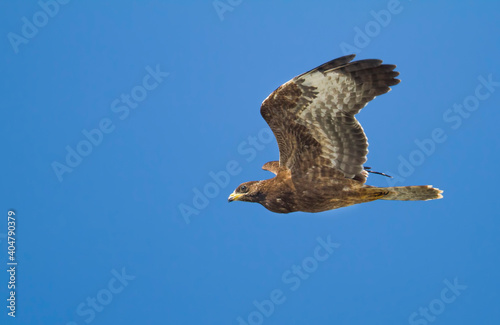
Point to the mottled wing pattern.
(312, 115)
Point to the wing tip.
(393, 82)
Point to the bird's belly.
(329, 200)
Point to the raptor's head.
(249, 192)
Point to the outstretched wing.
(312, 115)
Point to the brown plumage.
(321, 144)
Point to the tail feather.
(412, 193)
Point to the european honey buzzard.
(321, 144)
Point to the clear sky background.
(116, 116)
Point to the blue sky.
(116, 116)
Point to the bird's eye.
(243, 189)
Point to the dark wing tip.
(362, 65)
(332, 64)
(390, 66)
(393, 82)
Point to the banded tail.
(411, 193)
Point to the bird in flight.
(322, 147)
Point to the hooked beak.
(233, 197)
